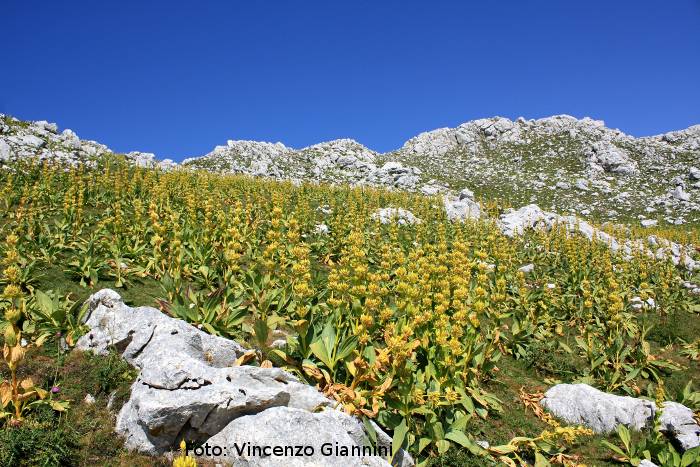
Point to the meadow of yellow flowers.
(404, 324)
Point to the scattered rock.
(582, 184)
(447, 157)
(461, 209)
(680, 194)
(322, 229)
(400, 215)
(516, 222)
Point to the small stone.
(89, 399)
(582, 184)
(322, 229)
(279, 344)
(694, 173)
(112, 398)
(680, 194)
(466, 193)
(647, 463)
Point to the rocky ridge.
(563, 164)
(42, 140)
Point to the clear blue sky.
(177, 78)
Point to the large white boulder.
(581, 404)
(188, 388)
(338, 440)
(461, 209)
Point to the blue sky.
(177, 78)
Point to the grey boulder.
(136, 333)
(461, 209)
(337, 440)
(399, 215)
(582, 404)
(678, 424)
(189, 388)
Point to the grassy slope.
(85, 434)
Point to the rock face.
(188, 388)
(581, 404)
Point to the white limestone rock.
(581, 404)
(461, 209)
(679, 425)
(188, 389)
(5, 151)
(611, 158)
(680, 194)
(321, 433)
(322, 229)
(399, 215)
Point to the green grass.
(84, 435)
(141, 292)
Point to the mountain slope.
(561, 163)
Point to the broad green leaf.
(399, 437)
